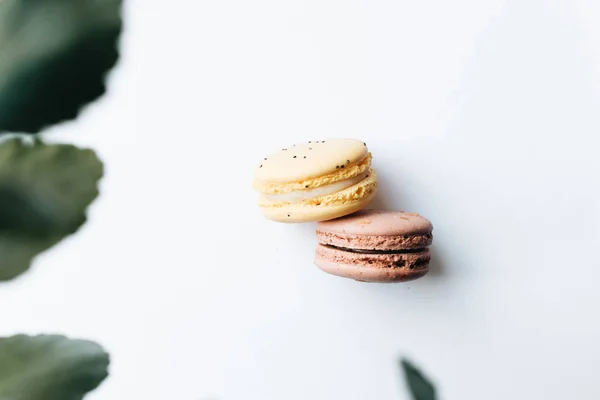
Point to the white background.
(484, 116)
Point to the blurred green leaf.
(50, 368)
(419, 385)
(45, 190)
(54, 55)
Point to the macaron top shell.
(378, 223)
(309, 160)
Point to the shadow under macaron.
(436, 265)
(385, 199)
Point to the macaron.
(315, 181)
(375, 246)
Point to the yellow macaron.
(315, 181)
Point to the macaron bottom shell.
(301, 212)
(377, 267)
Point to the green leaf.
(45, 190)
(50, 368)
(419, 385)
(54, 56)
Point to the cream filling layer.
(308, 194)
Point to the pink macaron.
(375, 246)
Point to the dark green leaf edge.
(30, 221)
(50, 367)
(55, 89)
(419, 385)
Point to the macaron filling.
(411, 260)
(313, 193)
(375, 251)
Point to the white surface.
(481, 115)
